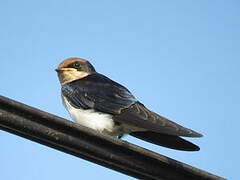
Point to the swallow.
(95, 101)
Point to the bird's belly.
(94, 120)
(90, 118)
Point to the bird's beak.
(64, 69)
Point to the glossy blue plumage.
(98, 92)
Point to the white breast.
(99, 121)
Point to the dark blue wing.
(98, 92)
(102, 94)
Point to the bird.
(97, 102)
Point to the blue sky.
(180, 58)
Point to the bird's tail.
(170, 141)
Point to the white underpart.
(98, 121)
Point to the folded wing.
(98, 92)
(139, 116)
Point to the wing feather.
(98, 92)
(138, 115)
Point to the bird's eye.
(76, 64)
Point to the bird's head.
(74, 68)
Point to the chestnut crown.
(79, 64)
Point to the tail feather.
(170, 141)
